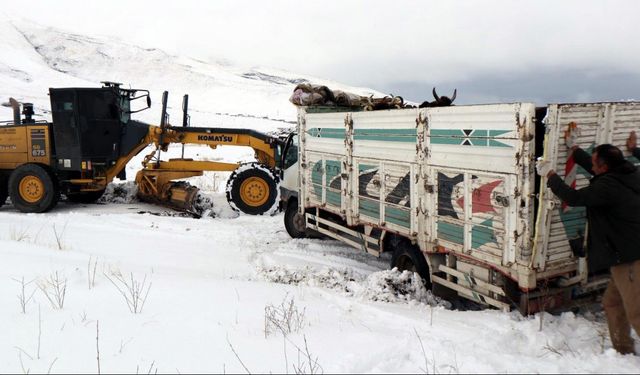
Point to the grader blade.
(156, 187)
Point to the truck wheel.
(4, 190)
(85, 196)
(32, 189)
(294, 223)
(253, 189)
(408, 257)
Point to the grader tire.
(252, 189)
(85, 196)
(33, 189)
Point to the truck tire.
(85, 196)
(408, 257)
(253, 189)
(33, 189)
(294, 223)
(4, 189)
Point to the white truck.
(453, 193)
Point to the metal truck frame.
(453, 193)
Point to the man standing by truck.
(612, 200)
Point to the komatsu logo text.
(215, 138)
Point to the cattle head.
(440, 101)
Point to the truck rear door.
(561, 229)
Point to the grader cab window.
(125, 109)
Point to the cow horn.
(455, 91)
(435, 95)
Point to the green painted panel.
(483, 234)
(478, 137)
(369, 208)
(386, 135)
(392, 214)
(574, 221)
(333, 170)
(451, 232)
(365, 167)
(446, 141)
(336, 133)
(494, 143)
(316, 180)
(497, 133)
(478, 133)
(446, 133)
(334, 198)
(397, 216)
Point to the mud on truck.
(452, 193)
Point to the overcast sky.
(545, 51)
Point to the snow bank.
(384, 286)
(120, 192)
(213, 205)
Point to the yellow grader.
(92, 137)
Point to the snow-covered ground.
(229, 293)
(234, 291)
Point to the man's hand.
(571, 135)
(632, 141)
(543, 167)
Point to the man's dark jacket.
(613, 210)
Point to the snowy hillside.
(35, 58)
(124, 287)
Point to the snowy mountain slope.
(36, 57)
(213, 281)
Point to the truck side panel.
(480, 172)
(458, 177)
(384, 159)
(323, 161)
